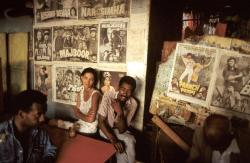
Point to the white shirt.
(217, 157)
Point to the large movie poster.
(92, 9)
(42, 44)
(46, 10)
(192, 73)
(109, 80)
(66, 84)
(232, 88)
(113, 42)
(42, 77)
(75, 43)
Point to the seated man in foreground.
(116, 112)
(217, 143)
(21, 139)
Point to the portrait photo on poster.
(109, 80)
(42, 44)
(54, 10)
(232, 87)
(76, 43)
(42, 77)
(192, 73)
(66, 83)
(113, 42)
(96, 9)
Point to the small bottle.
(72, 132)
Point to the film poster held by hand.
(109, 80)
(66, 84)
(42, 44)
(42, 76)
(232, 87)
(192, 73)
(92, 9)
(113, 42)
(75, 43)
(51, 10)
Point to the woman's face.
(42, 71)
(88, 80)
(39, 35)
(107, 82)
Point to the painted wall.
(18, 60)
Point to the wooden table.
(80, 149)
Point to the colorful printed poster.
(109, 80)
(66, 84)
(92, 9)
(51, 10)
(42, 44)
(232, 87)
(42, 75)
(113, 42)
(75, 43)
(192, 73)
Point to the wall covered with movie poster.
(70, 35)
(202, 78)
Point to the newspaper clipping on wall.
(109, 80)
(232, 88)
(66, 83)
(113, 42)
(92, 9)
(47, 10)
(75, 43)
(192, 73)
(42, 75)
(42, 44)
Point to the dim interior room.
(46, 44)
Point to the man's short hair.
(129, 80)
(217, 131)
(46, 32)
(215, 117)
(189, 54)
(24, 100)
(231, 58)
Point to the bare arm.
(208, 63)
(109, 134)
(232, 77)
(183, 59)
(91, 115)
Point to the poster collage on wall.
(202, 80)
(212, 77)
(70, 35)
